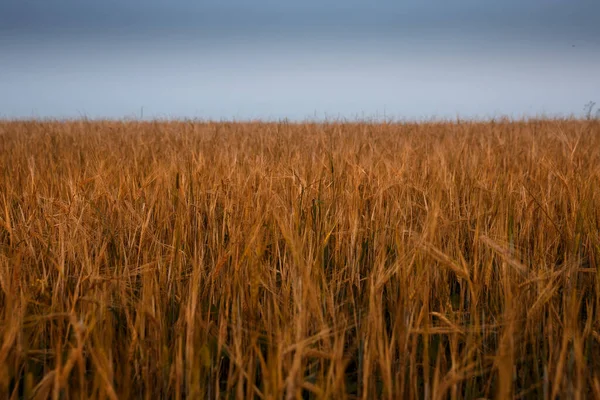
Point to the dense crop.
(279, 260)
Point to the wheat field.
(188, 260)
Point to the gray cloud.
(272, 58)
(261, 19)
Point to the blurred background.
(267, 59)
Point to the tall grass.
(278, 260)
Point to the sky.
(311, 59)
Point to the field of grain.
(277, 260)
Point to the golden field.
(282, 261)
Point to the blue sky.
(280, 59)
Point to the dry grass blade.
(446, 261)
(505, 254)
